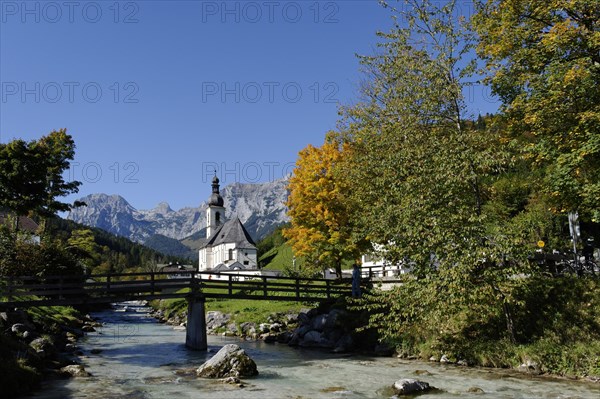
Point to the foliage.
(68, 247)
(25, 258)
(425, 181)
(31, 174)
(108, 253)
(321, 223)
(558, 326)
(543, 61)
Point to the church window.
(218, 217)
(246, 262)
(230, 254)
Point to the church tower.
(215, 214)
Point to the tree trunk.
(338, 269)
(510, 326)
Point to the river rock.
(269, 338)
(344, 344)
(530, 367)
(248, 329)
(319, 322)
(444, 359)
(475, 390)
(335, 319)
(216, 320)
(284, 337)
(230, 361)
(74, 370)
(311, 338)
(42, 346)
(409, 386)
(18, 328)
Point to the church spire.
(215, 198)
(215, 214)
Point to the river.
(139, 359)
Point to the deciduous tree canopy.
(31, 174)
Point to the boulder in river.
(74, 370)
(409, 386)
(230, 361)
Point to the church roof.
(233, 231)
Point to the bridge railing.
(104, 288)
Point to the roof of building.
(233, 231)
(25, 223)
(176, 267)
(222, 267)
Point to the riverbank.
(40, 343)
(324, 327)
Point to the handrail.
(105, 288)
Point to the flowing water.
(139, 359)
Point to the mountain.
(261, 207)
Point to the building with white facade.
(228, 246)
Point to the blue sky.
(158, 93)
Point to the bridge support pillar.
(195, 332)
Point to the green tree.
(82, 243)
(31, 174)
(543, 61)
(421, 174)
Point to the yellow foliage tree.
(321, 221)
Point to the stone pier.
(195, 334)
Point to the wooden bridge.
(195, 287)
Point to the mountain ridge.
(260, 206)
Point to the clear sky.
(158, 93)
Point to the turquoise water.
(139, 359)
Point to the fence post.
(265, 292)
(297, 289)
(328, 284)
(230, 284)
(108, 284)
(152, 283)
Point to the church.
(228, 246)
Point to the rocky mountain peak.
(261, 207)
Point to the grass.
(241, 310)
(280, 258)
(19, 370)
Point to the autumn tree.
(321, 222)
(543, 61)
